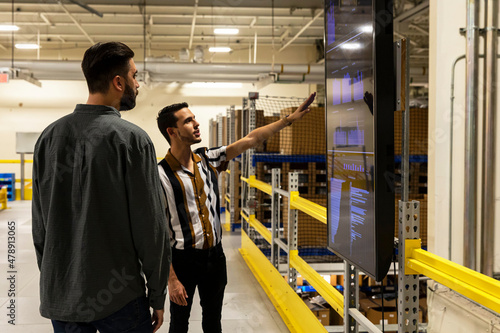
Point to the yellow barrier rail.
(308, 207)
(3, 198)
(329, 293)
(258, 226)
(227, 198)
(295, 313)
(15, 161)
(473, 285)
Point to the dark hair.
(166, 118)
(102, 62)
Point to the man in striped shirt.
(189, 180)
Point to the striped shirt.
(193, 199)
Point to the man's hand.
(177, 292)
(302, 109)
(157, 319)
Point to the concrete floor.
(246, 306)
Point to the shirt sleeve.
(216, 156)
(148, 222)
(37, 223)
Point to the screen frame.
(384, 101)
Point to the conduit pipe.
(489, 139)
(471, 140)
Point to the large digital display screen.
(360, 132)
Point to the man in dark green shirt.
(99, 223)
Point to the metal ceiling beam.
(412, 13)
(77, 24)
(193, 24)
(422, 30)
(301, 30)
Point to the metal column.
(232, 164)
(408, 285)
(351, 297)
(275, 218)
(489, 139)
(408, 212)
(293, 186)
(471, 110)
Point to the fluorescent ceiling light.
(218, 85)
(351, 46)
(29, 46)
(220, 49)
(226, 31)
(367, 28)
(5, 27)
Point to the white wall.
(28, 108)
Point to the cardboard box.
(323, 316)
(305, 137)
(238, 118)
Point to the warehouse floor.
(246, 306)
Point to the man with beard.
(189, 179)
(98, 213)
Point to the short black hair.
(166, 118)
(102, 62)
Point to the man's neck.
(103, 99)
(183, 154)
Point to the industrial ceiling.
(177, 31)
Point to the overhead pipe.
(471, 140)
(489, 138)
(174, 71)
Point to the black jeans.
(133, 317)
(205, 269)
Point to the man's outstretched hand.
(303, 109)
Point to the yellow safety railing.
(15, 161)
(308, 207)
(3, 198)
(329, 293)
(473, 285)
(295, 313)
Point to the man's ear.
(118, 83)
(170, 131)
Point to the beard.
(189, 139)
(127, 101)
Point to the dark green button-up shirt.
(99, 216)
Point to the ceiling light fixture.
(351, 46)
(8, 27)
(226, 31)
(223, 49)
(367, 29)
(27, 46)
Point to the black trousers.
(205, 269)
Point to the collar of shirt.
(176, 165)
(96, 109)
